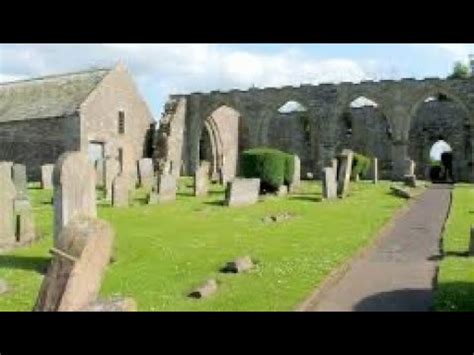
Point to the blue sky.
(163, 69)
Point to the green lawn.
(456, 275)
(165, 250)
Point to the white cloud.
(163, 69)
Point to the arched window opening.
(441, 161)
(292, 106)
(363, 102)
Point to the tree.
(460, 71)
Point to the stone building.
(98, 112)
(405, 119)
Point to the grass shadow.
(403, 300)
(455, 296)
(307, 198)
(459, 254)
(215, 203)
(33, 263)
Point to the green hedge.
(272, 166)
(360, 165)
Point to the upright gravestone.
(201, 179)
(120, 191)
(111, 170)
(74, 189)
(242, 192)
(166, 188)
(47, 176)
(296, 180)
(345, 169)
(145, 172)
(80, 258)
(7, 198)
(329, 184)
(375, 170)
(19, 179)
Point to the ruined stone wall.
(38, 142)
(100, 118)
(388, 138)
(444, 119)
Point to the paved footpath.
(398, 274)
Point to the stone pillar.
(375, 170)
(399, 154)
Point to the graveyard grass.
(455, 291)
(163, 251)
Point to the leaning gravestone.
(7, 198)
(20, 181)
(296, 179)
(79, 261)
(24, 221)
(345, 169)
(47, 176)
(145, 172)
(74, 189)
(111, 170)
(120, 191)
(242, 192)
(329, 184)
(166, 188)
(201, 179)
(471, 242)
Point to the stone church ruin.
(316, 122)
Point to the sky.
(163, 69)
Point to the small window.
(121, 122)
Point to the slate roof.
(47, 97)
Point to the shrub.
(272, 166)
(360, 165)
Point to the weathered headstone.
(205, 290)
(242, 192)
(201, 179)
(296, 180)
(19, 180)
(111, 170)
(410, 180)
(24, 221)
(121, 191)
(166, 188)
(399, 191)
(74, 189)
(47, 176)
(471, 242)
(345, 169)
(79, 261)
(7, 197)
(3, 286)
(282, 191)
(375, 170)
(329, 184)
(145, 172)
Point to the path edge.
(340, 271)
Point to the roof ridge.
(52, 76)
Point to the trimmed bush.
(272, 166)
(360, 165)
